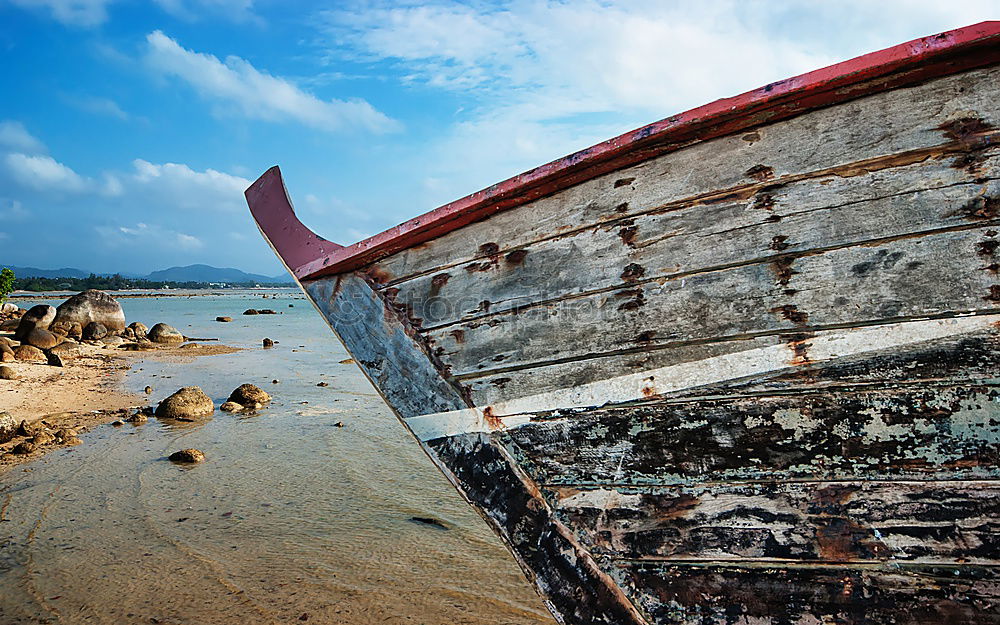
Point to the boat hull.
(746, 379)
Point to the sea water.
(302, 512)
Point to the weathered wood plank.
(382, 346)
(966, 358)
(912, 277)
(942, 522)
(948, 433)
(834, 211)
(706, 594)
(869, 128)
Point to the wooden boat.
(738, 366)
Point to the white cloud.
(257, 94)
(99, 106)
(539, 79)
(83, 13)
(14, 136)
(44, 173)
(186, 188)
(143, 235)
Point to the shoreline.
(85, 392)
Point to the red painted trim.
(294, 243)
(905, 64)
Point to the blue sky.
(129, 129)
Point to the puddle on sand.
(290, 519)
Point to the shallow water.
(291, 519)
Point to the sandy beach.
(84, 392)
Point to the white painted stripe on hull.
(688, 375)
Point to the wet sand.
(292, 517)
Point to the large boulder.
(7, 353)
(42, 339)
(8, 427)
(162, 333)
(8, 308)
(93, 306)
(188, 403)
(39, 317)
(247, 395)
(29, 353)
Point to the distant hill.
(207, 273)
(191, 273)
(34, 272)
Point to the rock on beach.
(247, 395)
(162, 333)
(93, 306)
(38, 317)
(42, 339)
(187, 403)
(29, 353)
(8, 427)
(188, 456)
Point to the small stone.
(347, 361)
(275, 381)
(118, 423)
(139, 329)
(112, 340)
(266, 311)
(248, 395)
(54, 360)
(322, 384)
(26, 428)
(66, 434)
(268, 343)
(8, 373)
(224, 319)
(250, 311)
(24, 448)
(29, 353)
(137, 418)
(148, 390)
(66, 351)
(43, 437)
(339, 424)
(8, 427)
(187, 456)
(94, 331)
(230, 406)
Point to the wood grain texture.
(868, 128)
(710, 594)
(943, 273)
(966, 358)
(939, 434)
(382, 346)
(850, 208)
(942, 522)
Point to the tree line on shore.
(114, 282)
